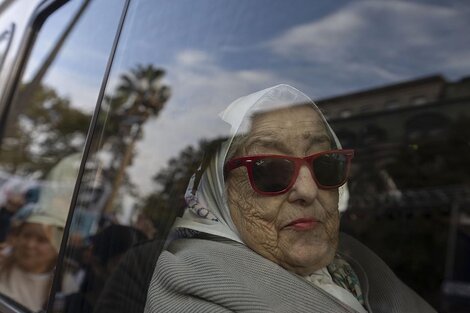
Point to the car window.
(43, 141)
(14, 18)
(367, 65)
(5, 40)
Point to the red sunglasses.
(276, 174)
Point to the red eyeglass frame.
(248, 162)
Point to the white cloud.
(387, 40)
(65, 82)
(318, 39)
(201, 90)
(192, 58)
(366, 42)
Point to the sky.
(78, 70)
(216, 51)
(324, 48)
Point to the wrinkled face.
(297, 229)
(33, 250)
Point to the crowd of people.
(32, 225)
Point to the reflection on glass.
(43, 144)
(5, 39)
(334, 52)
(34, 217)
(138, 97)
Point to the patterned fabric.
(343, 275)
(195, 206)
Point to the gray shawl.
(220, 275)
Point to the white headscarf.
(207, 210)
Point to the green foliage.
(164, 205)
(139, 96)
(46, 129)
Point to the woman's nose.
(304, 190)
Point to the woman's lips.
(302, 224)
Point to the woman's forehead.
(288, 128)
(292, 113)
(301, 119)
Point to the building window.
(418, 100)
(392, 104)
(366, 108)
(372, 134)
(427, 126)
(345, 113)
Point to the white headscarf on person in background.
(55, 197)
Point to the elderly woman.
(261, 231)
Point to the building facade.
(410, 180)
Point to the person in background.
(107, 248)
(26, 273)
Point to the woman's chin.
(306, 259)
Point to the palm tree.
(144, 90)
(140, 95)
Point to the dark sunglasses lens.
(272, 175)
(330, 169)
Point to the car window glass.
(5, 39)
(43, 142)
(179, 64)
